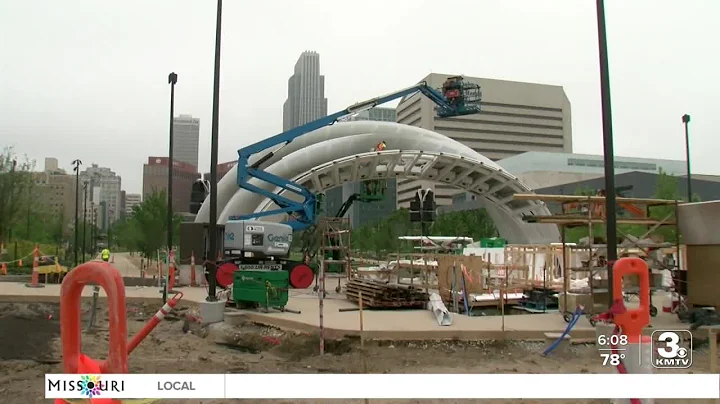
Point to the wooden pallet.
(383, 295)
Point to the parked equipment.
(261, 288)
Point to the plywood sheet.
(704, 275)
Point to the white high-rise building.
(131, 201)
(186, 139)
(106, 186)
(306, 100)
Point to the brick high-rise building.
(155, 179)
(222, 169)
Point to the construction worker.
(105, 255)
(373, 186)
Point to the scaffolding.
(587, 211)
(335, 252)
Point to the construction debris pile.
(377, 294)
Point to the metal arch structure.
(331, 156)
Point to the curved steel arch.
(337, 154)
(412, 138)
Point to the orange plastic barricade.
(35, 280)
(633, 321)
(108, 278)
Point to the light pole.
(610, 209)
(93, 238)
(686, 121)
(172, 79)
(77, 164)
(27, 223)
(211, 261)
(108, 233)
(84, 243)
(12, 181)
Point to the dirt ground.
(30, 347)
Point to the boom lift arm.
(456, 99)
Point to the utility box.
(261, 288)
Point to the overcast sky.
(87, 79)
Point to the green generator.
(261, 288)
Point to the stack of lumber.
(378, 294)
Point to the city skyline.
(78, 104)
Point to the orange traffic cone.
(171, 272)
(88, 366)
(3, 269)
(35, 280)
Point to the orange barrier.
(632, 322)
(109, 279)
(3, 269)
(154, 321)
(171, 271)
(35, 280)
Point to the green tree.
(381, 238)
(474, 223)
(16, 185)
(146, 229)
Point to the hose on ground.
(576, 317)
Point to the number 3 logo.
(672, 341)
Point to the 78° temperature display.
(612, 348)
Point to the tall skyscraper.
(186, 134)
(306, 100)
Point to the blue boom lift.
(251, 244)
(456, 98)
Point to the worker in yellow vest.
(375, 187)
(105, 255)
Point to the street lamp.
(211, 261)
(12, 181)
(686, 121)
(77, 164)
(172, 79)
(108, 233)
(93, 238)
(610, 209)
(84, 243)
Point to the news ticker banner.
(379, 386)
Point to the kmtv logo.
(672, 349)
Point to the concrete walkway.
(127, 268)
(387, 324)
